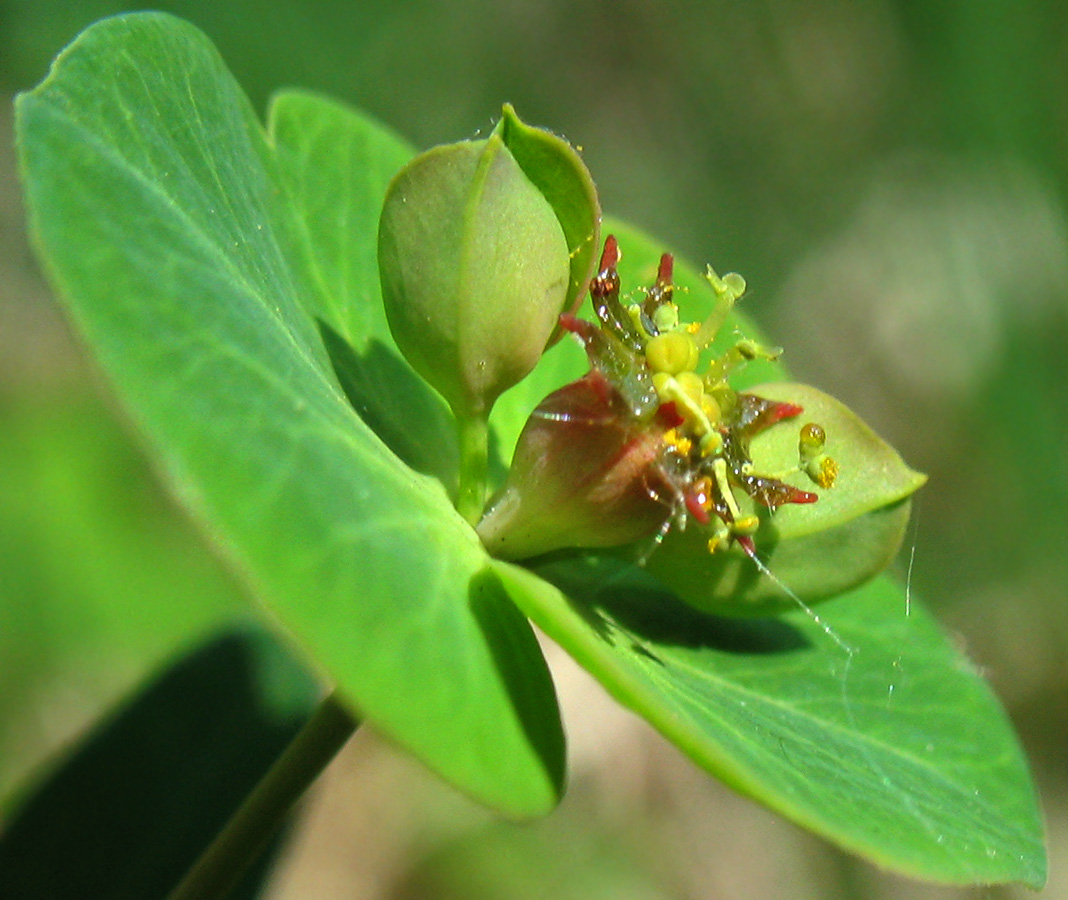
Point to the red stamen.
(667, 267)
(570, 322)
(780, 411)
(610, 254)
(696, 507)
(580, 328)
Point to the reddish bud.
(585, 474)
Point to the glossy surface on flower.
(645, 426)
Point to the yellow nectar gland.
(821, 468)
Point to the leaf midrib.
(216, 252)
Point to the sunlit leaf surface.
(165, 223)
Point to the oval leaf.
(866, 727)
(320, 144)
(163, 221)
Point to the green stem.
(474, 457)
(250, 828)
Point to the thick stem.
(250, 828)
(474, 456)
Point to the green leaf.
(337, 164)
(163, 220)
(822, 549)
(134, 807)
(865, 727)
(203, 265)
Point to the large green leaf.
(337, 165)
(159, 210)
(865, 726)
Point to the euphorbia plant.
(227, 281)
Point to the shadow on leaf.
(617, 597)
(127, 814)
(397, 405)
(523, 669)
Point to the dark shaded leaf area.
(130, 811)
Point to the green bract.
(475, 255)
(815, 550)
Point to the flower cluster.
(486, 249)
(644, 440)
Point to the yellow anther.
(823, 470)
(679, 441)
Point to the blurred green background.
(890, 177)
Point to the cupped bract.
(808, 551)
(477, 250)
(584, 475)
